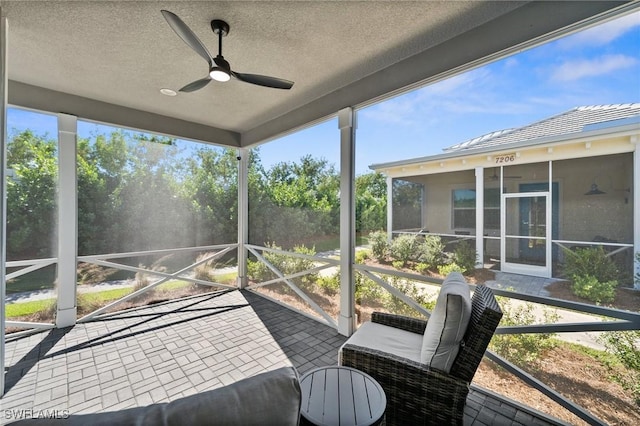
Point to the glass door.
(526, 239)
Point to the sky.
(597, 66)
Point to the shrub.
(330, 285)
(591, 261)
(204, 271)
(258, 271)
(522, 349)
(398, 264)
(445, 270)
(85, 303)
(284, 263)
(431, 251)
(379, 244)
(465, 256)
(395, 305)
(362, 255)
(422, 267)
(403, 248)
(625, 345)
(590, 288)
(367, 290)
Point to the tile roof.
(572, 121)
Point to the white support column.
(3, 186)
(479, 217)
(243, 215)
(389, 208)
(346, 124)
(67, 220)
(636, 205)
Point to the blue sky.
(597, 66)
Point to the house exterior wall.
(575, 166)
(580, 217)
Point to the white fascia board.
(625, 130)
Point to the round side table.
(342, 396)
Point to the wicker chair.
(417, 394)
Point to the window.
(464, 208)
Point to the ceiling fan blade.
(263, 80)
(188, 36)
(196, 85)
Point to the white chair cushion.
(387, 339)
(447, 324)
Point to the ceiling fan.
(496, 177)
(219, 68)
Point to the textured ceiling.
(123, 52)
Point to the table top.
(342, 396)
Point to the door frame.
(520, 268)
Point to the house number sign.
(505, 158)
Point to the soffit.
(119, 54)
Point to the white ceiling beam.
(39, 98)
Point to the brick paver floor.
(166, 351)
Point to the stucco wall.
(580, 217)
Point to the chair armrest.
(413, 325)
(416, 394)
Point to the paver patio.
(166, 351)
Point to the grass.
(601, 356)
(332, 243)
(15, 310)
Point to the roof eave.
(548, 140)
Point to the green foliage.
(465, 256)
(431, 251)
(362, 256)
(403, 248)
(625, 345)
(139, 192)
(421, 267)
(448, 268)
(395, 305)
(590, 288)
(591, 261)
(16, 310)
(284, 263)
(379, 245)
(367, 290)
(522, 349)
(31, 204)
(371, 201)
(398, 264)
(89, 302)
(330, 285)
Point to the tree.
(31, 196)
(371, 202)
(407, 204)
(302, 202)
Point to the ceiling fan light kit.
(218, 74)
(219, 68)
